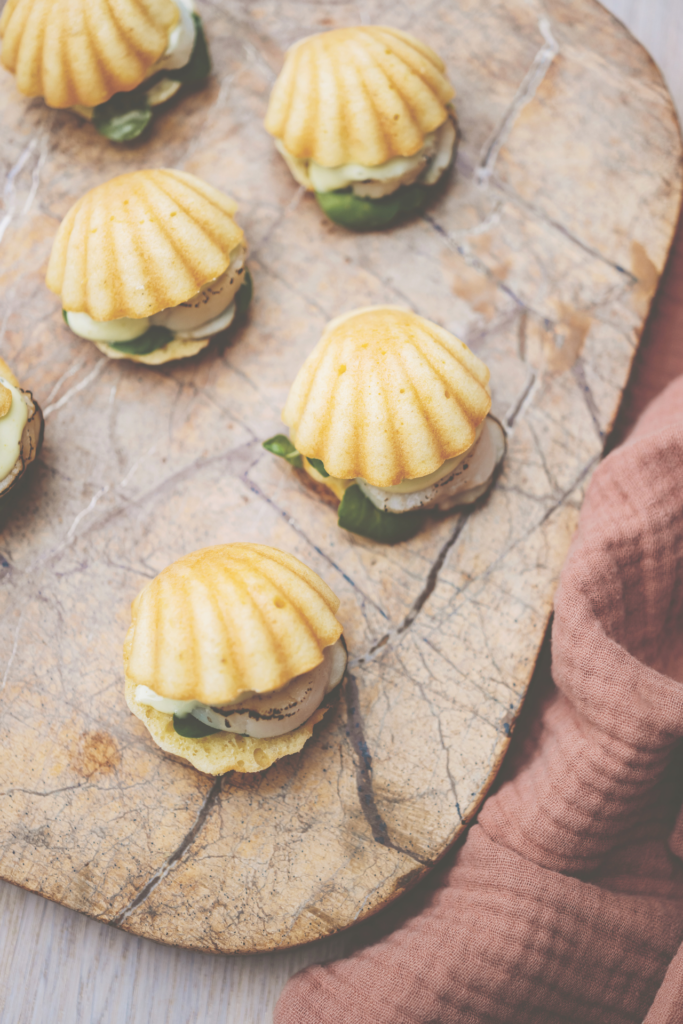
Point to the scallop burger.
(363, 118)
(113, 62)
(150, 265)
(232, 656)
(392, 413)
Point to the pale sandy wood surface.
(658, 25)
(111, 981)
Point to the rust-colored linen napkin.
(565, 902)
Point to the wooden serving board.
(543, 256)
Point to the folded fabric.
(565, 902)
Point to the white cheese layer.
(209, 311)
(207, 304)
(263, 715)
(11, 429)
(458, 482)
(219, 323)
(426, 165)
(180, 41)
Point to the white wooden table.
(58, 966)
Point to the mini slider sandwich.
(391, 413)
(21, 430)
(363, 118)
(150, 265)
(231, 656)
(113, 62)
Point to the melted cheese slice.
(206, 313)
(208, 304)
(180, 42)
(431, 161)
(11, 429)
(263, 715)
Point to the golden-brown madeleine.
(363, 118)
(391, 413)
(21, 430)
(149, 265)
(111, 61)
(230, 654)
(96, 47)
(387, 395)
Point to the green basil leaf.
(153, 338)
(64, 317)
(359, 214)
(359, 515)
(282, 446)
(125, 116)
(119, 121)
(199, 65)
(317, 464)
(243, 297)
(362, 214)
(191, 727)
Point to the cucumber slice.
(158, 336)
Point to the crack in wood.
(39, 141)
(422, 597)
(525, 93)
(85, 382)
(477, 264)
(255, 489)
(196, 466)
(579, 372)
(588, 468)
(543, 218)
(522, 401)
(364, 786)
(456, 634)
(176, 856)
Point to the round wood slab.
(543, 256)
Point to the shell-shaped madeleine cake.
(21, 430)
(227, 620)
(81, 52)
(358, 95)
(387, 396)
(140, 243)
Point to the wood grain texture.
(480, 315)
(658, 25)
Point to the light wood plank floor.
(58, 966)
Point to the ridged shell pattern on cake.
(358, 95)
(387, 396)
(141, 243)
(229, 620)
(75, 52)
